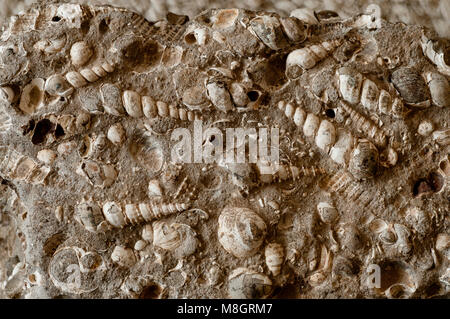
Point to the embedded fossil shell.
(6, 94)
(439, 89)
(443, 244)
(219, 96)
(326, 135)
(311, 125)
(442, 137)
(411, 86)
(76, 79)
(224, 18)
(179, 238)
(132, 103)
(274, 254)
(147, 233)
(149, 107)
(90, 216)
(399, 290)
(113, 214)
(51, 46)
(295, 29)
(425, 128)
(444, 166)
(244, 283)
(369, 95)
(123, 256)
(306, 15)
(154, 188)
(112, 99)
(80, 53)
(364, 160)
(438, 58)
(58, 86)
(327, 212)
(241, 231)
(32, 96)
(116, 134)
(46, 156)
(350, 83)
(268, 30)
(308, 57)
(341, 150)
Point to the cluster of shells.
(90, 96)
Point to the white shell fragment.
(32, 96)
(274, 254)
(123, 256)
(80, 53)
(116, 134)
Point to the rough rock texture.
(91, 96)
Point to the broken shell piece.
(439, 89)
(274, 254)
(90, 216)
(46, 156)
(437, 57)
(80, 53)
(113, 214)
(444, 166)
(112, 99)
(268, 30)
(399, 291)
(140, 245)
(51, 46)
(57, 85)
(123, 256)
(442, 137)
(326, 135)
(149, 107)
(425, 128)
(224, 18)
(219, 96)
(350, 82)
(116, 134)
(244, 283)
(327, 212)
(306, 15)
(32, 96)
(7, 94)
(147, 233)
(364, 160)
(443, 244)
(341, 150)
(294, 29)
(241, 231)
(154, 188)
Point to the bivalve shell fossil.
(411, 86)
(32, 96)
(364, 160)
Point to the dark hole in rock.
(190, 38)
(432, 184)
(253, 95)
(152, 291)
(56, 19)
(103, 26)
(29, 127)
(43, 127)
(59, 131)
(330, 113)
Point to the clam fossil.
(241, 231)
(411, 86)
(364, 160)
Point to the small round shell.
(244, 283)
(80, 53)
(364, 160)
(57, 85)
(116, 134)
(425, 128)
(241, 231)
(274, 254)
(219, 96)
(132, 103)
(113, 214)
(327, 212)
(149, 107)
(32, 96)
(123, 256)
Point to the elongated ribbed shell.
(308, 57)
(241, 231)
(274, 254)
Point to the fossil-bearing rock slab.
(93, 95)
